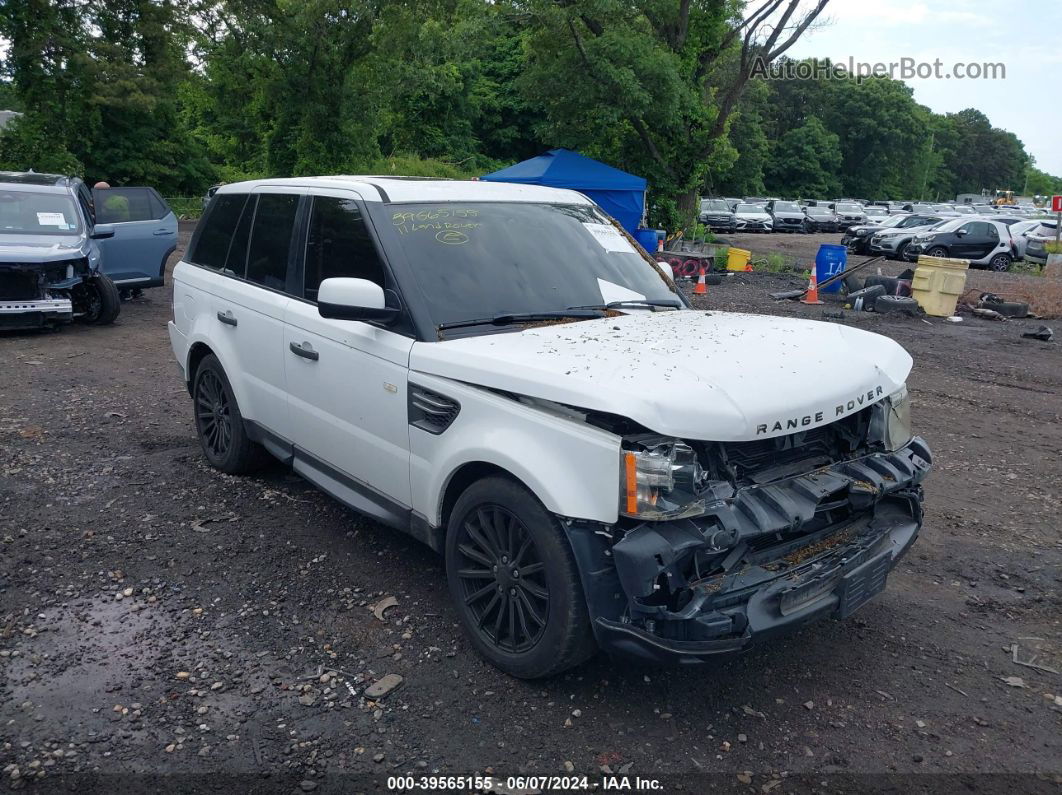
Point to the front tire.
(938, 251)
(97, 300)
(514, 581)
(219, 424)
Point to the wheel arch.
(464, 476)
(196, 353)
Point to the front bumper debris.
(766, 561)
(35, 314)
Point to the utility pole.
(929, 160)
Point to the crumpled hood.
(692, 374)
(41, 248)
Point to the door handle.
(227, 318)
(305, 350)
(161, 232)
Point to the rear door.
(145, 234)
(236, 299)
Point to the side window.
(211, 245)
(123, 205)
(236, 262)
(274, 226)
(339, 245)
(159, 208)
(86, 208)
(85, 197)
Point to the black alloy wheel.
(213, 415)
(503, 579)
(515, 582)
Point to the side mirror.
(354, 299)
(102, 231)
(960, 233)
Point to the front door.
(145, 234)
(346, 379)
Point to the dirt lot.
(166, 626)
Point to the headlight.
(898, 419)
(659, 479)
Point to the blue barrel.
(646, 239)
(831, 260)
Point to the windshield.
(715, 205)
(749, 208)
(788, 207)
(849, 208)
(818, 211)
(480, 259)
(951, 224)
(893, 220)
(32, 213)
(876, 211)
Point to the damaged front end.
(36, 295)
(725, 544)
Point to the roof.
(562, 168)
(32, 187)
(411, 189)
(33, 178)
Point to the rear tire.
(219, 424)
(1000, 263)
(97, 300)
(514, 581)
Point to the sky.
(1024, 35)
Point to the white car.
(753, 218)
(500, 372)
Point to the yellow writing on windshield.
(438, 213)
(448, 223)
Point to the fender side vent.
(431, 411)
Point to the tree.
(805, 162)
(653, 84)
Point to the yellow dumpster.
(937, 284)
(737, 259)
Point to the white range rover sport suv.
(499, 371)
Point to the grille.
(749, 461)
(431, 411)
(20, 285)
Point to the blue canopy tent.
(619, 194)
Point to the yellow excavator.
(1004, 198)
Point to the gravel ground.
(166, 626)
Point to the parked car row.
(778, 215)
(987, 242)
(758, 214)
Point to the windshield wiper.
(509, 318)
(671, 303)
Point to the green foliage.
(180, 94)
(806, 161)
(26, 143)
(776, 263)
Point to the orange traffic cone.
(812, 294)
(702, 287)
